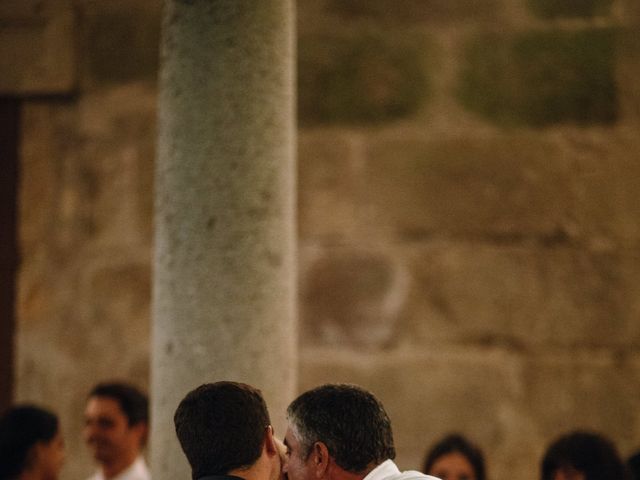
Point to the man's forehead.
(290, 436)
(103, 406)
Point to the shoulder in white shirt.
(388, 470)
(138, 470)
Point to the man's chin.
(102, 455)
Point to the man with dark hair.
(582, 455)
(341, 432)
(116, 427)
(225, 432)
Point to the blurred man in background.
(116, 427)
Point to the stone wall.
(468, 215)
(468, 176)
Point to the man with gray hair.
(341, 432)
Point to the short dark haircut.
(221, 427)
(21, 428)
(349, 420)
(456, 443)
(588, 452)
(133, 403)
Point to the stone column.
(224, 278)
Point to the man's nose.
(89, 431)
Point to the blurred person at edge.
(116, 427)
(581, 455)
(633, 463)
(455, 458)
(31, 447)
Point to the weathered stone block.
(363, 78)
(542, 78)
(628, 70)
(521, 296)
(605, 187)
(100, 190)
(122, 44)
(570, 8)
(327, 186)
(41, 179)
(114, 162)
(631, 10)
(584, 390)
(37, 47)
(418, 11)
(119, 294)
(503, 186)
(351, 298)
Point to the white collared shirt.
(388, 470)
(138, 470)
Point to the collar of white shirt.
(138, 470)
(388, 470)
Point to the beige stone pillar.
(224, 278)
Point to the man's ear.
(270, 445)
(320, 459)
(141, 430)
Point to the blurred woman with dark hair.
(31, 447)
(582, 455)
(455, 458)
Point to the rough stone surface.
(367, 77)
(564, 382)
(522, 297)
(224, 259)
(570, 8)
(628, 68)
(352, 298)
(631, 11)
(418, 11)
(37, 47)
(605, 184)
(542, 78)
(471, 186)
(122, 43)
(327, 186)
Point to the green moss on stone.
(542, 78)
(365, 79)
(570, 8)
